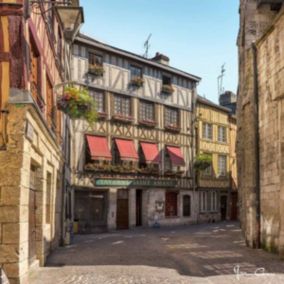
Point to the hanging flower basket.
(97, 70)
(167, 89)
(77, 104)
(203, 161)
(137, 82)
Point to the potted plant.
(167, 89)
(77, 104)
(137, 82)
(96, 69)
(202, 162)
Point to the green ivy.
(203, 161)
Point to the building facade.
(260, 123)
(216, 136)
(34, 50)
(134, 167)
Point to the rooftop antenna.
(220, 80)
(147, 46)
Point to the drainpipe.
(256, 129)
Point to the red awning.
(98, 148)
(176, 156)
(151, 152)
(126, 149)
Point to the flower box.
(149, 123)
(173, 128)
(97, 70)
(167, 89)
(77, 104)
(122, 118)
(136, 82)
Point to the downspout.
(257, 158)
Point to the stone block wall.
(15, 183)
(261, 80)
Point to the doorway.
(223, 207)
(91, 211)
(138, 207)
(122, 218)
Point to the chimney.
(161, 58)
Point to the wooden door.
(122, 218)
(139, 207)
(32, 226)
(171, 204)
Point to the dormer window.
(96, 64)
(167, 87)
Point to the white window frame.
(222, 134)
(222, 165)
(207, 131)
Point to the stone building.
(217, 186)
(34, 49)
(135, 166)
(260, 112)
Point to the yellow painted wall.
(216, 117)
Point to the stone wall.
(25, 148)
(260, 112)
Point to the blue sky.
(198, 35)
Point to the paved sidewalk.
(209, 253)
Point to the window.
(202, 201)
(95, 59)
(122, 105)
(135, 71)
(146, 111)
(50, 107)
(59, 45)
(171, 204)
(99, 99)
(171, 117)
(186, 205)
(166, 80)
(222, 137)
(214, 201)
(167, 162)
(222, 165)
(207, 131)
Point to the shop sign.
(135, 183)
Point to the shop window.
(186, 205)
(171, 204)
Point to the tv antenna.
(220, 80)
(147, 46)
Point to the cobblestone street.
(211, 253)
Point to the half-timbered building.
(216, 185)
(35, 38)
(134, 166)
